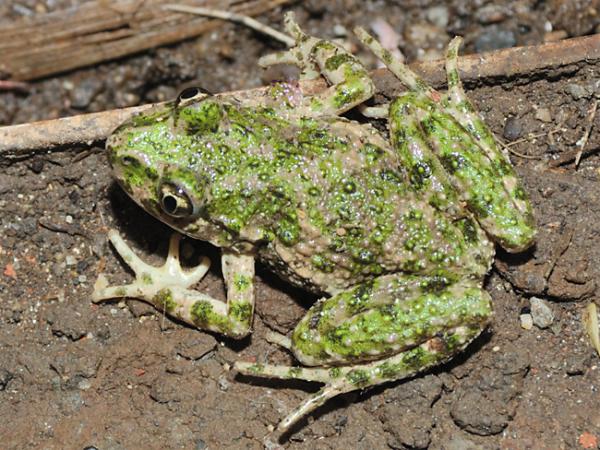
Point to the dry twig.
(97, 31)
(20, 140)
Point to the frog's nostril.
(129, 161)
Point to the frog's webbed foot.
(168, 289)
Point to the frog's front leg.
(168, 289)
(350, 82)
(388, 329)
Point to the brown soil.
(121, 376)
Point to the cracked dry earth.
(121, 376)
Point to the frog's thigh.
(427, 175)
(387, 316)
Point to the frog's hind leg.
(388, 329)
(430, 131)
(409, 78)
(344, 379)
(521, 224)
(168, 289)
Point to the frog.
(395, 229)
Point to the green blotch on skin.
(469, 230)
(348, 93)
(203, 316)
(163, 300)
(241, 312)
(420, 172)
(519, 193)
(334, 62)
(288, 232)
(256, 368)
(419, 358)
(185, 178)
(322, 263)
(121, 292)
(135, 174)
(201, 118)
(294, 372)
(388, 371)
(453, 78)
(323, 46)
(358, 377)
(437, 283)
(358, 299)
(147, 278)
(242, 282)
(373, 152)
(335, 372)
(453, 162)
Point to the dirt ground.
(119, 375)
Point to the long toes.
(131, 259)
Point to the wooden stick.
(98, 31)
(19, 140)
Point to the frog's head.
(152, 158)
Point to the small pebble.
(576, 91)
(70, 260)
(513, 128)
(223, 383)
(576, 364)
(438, 15)
(494, 38)
(69, 219)
(491, 14)
(37, 165)
(543, 114)
(526, 321)
(84, 385)
(340, 31)
(84, 92)
(541, 313)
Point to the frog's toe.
(149, 280)
(292, 27)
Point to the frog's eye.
(175, 201)
(191, 93)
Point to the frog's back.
(326, 201)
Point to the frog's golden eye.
(175, 201)
(191, 93)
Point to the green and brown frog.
(397, 233)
